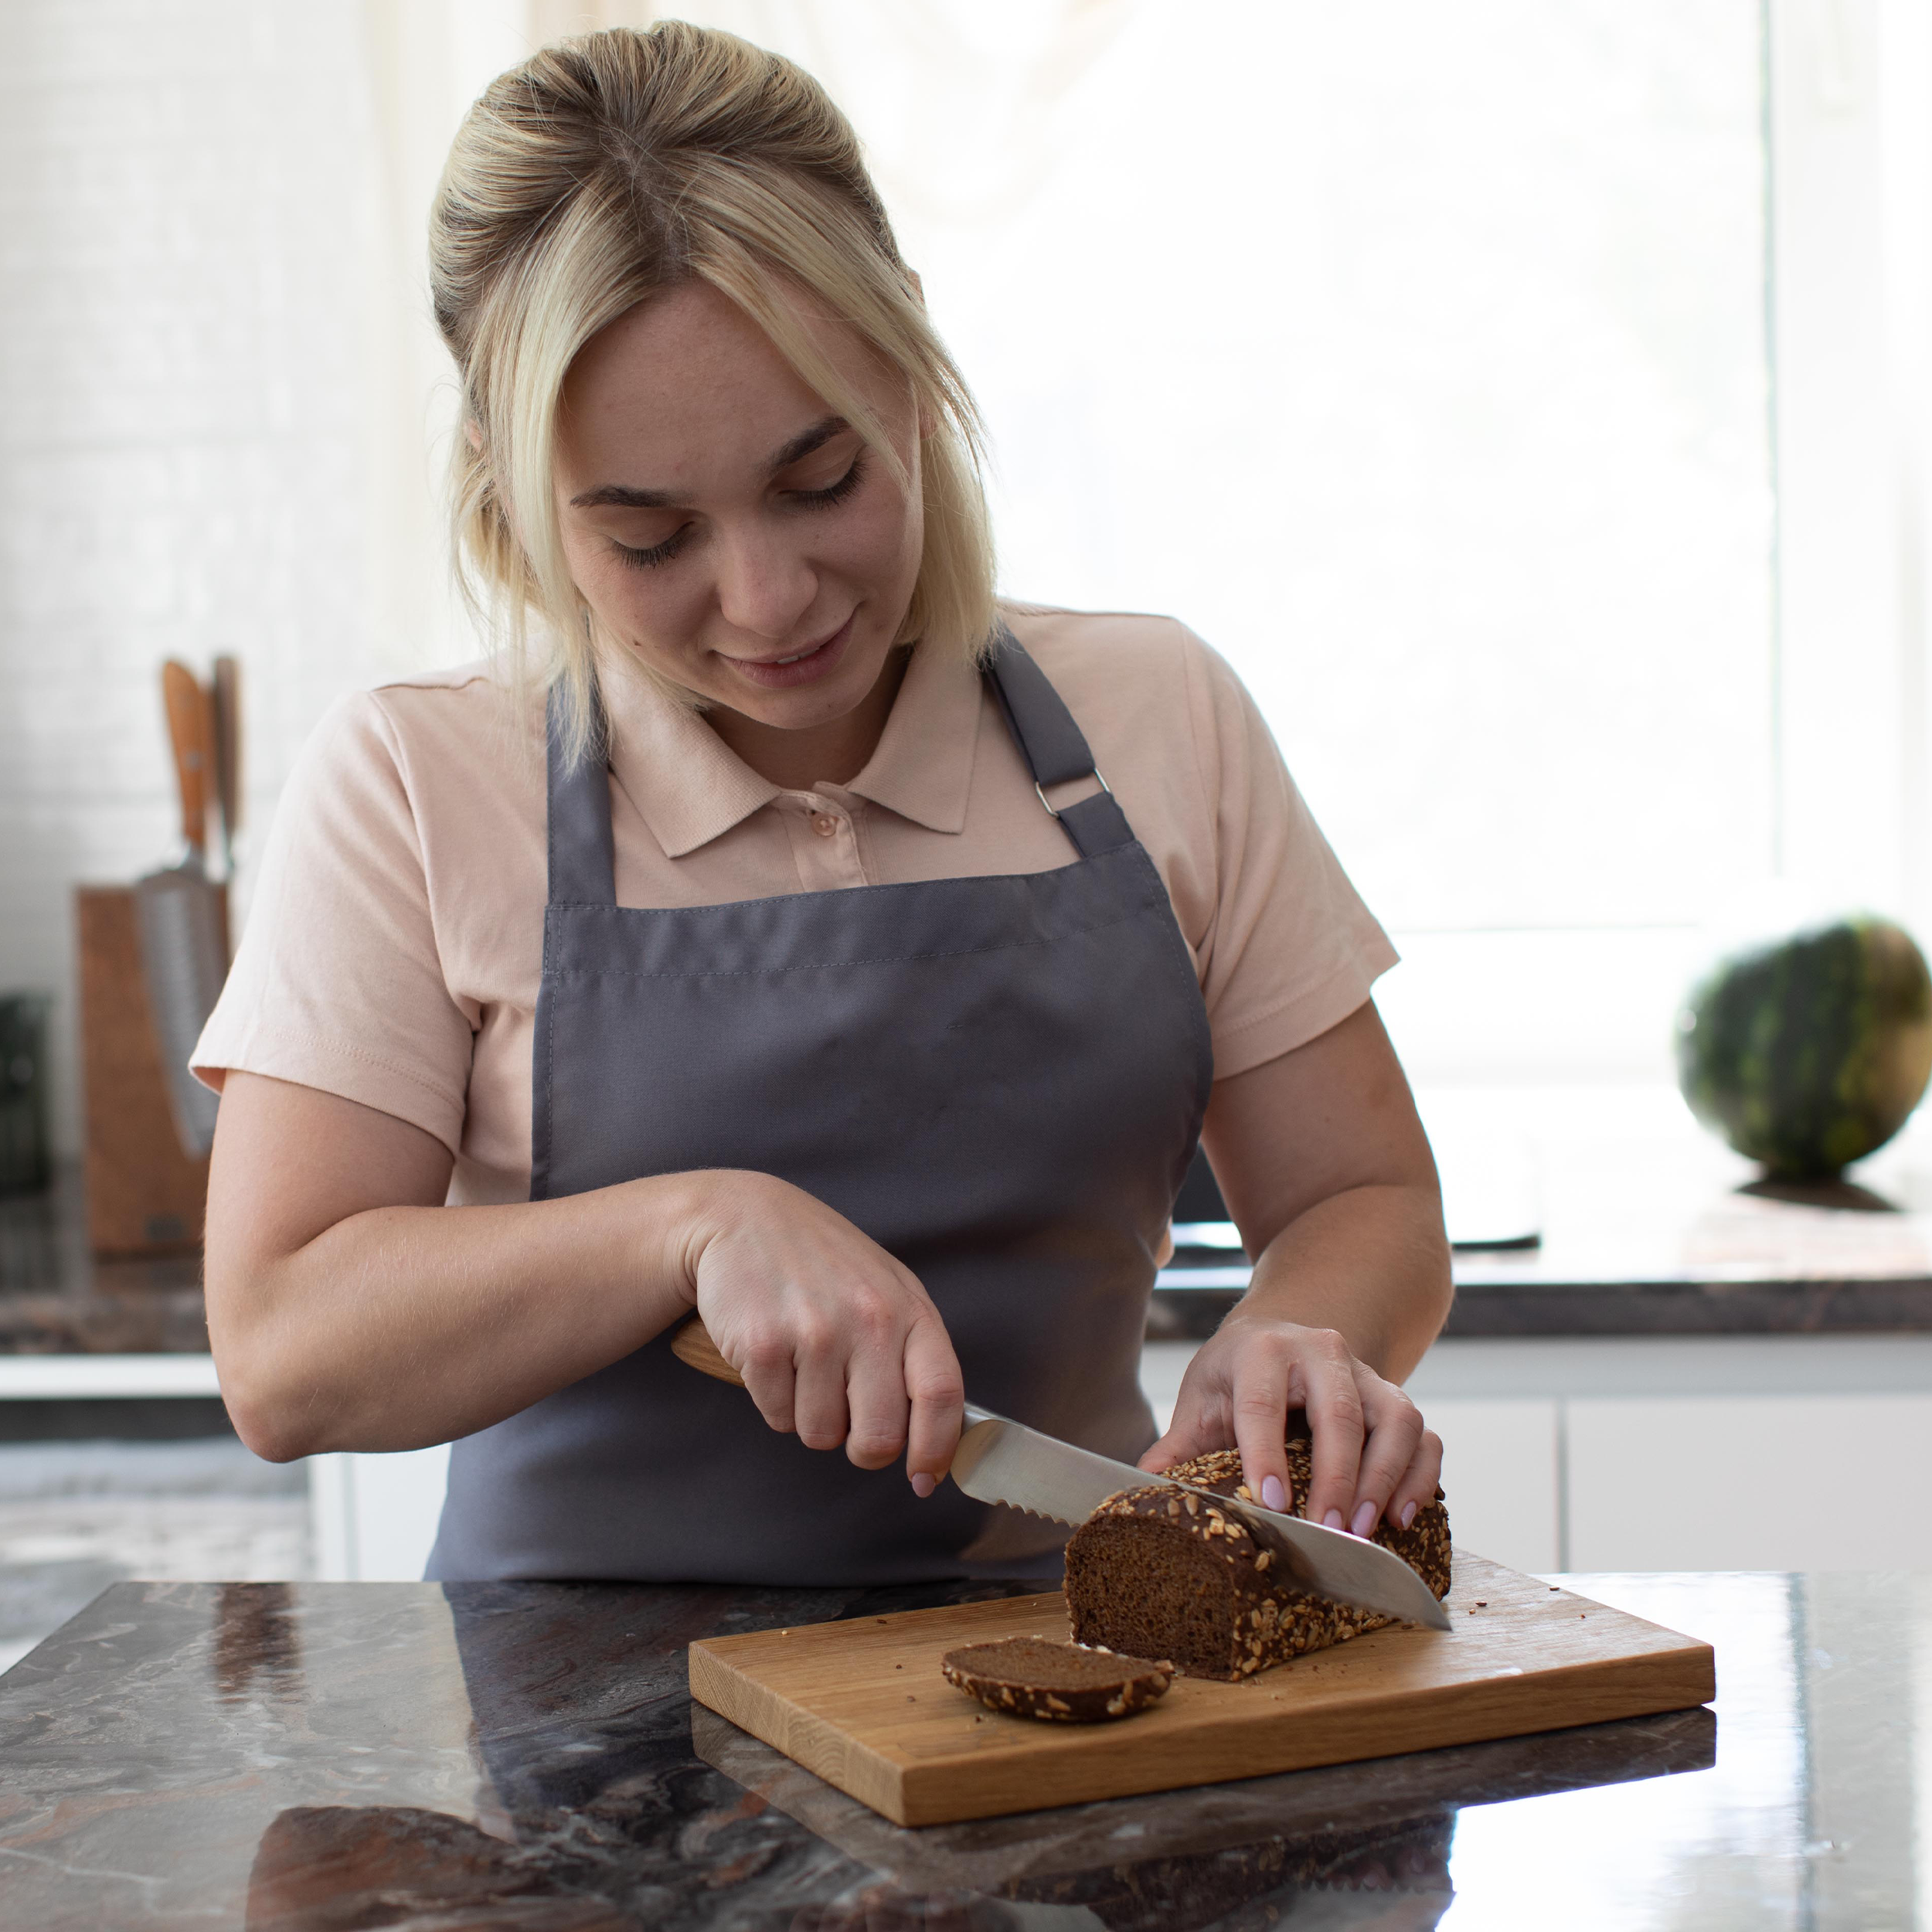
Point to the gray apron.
(1000, 1080)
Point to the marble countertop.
(317, 1758)
(1643, 1224)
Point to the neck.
(835, 751)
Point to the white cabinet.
(1500, 1472)
(375, 1517)
(1724, 1481)
(1746, 1452)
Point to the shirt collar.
(687, 784)
(923, 767)
(690, 788)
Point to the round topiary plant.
(1809, 1053)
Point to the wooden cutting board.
(861, 1703)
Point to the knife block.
(144, 1195)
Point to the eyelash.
(666, 552)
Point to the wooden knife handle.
(188, 736)
(693, 1346)
(225, 694)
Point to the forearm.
(399, 1327)
(1371, 1263)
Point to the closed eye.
(835, 492)
(659, 554)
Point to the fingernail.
(1364, 1520)
(1408, 1514)
(922, 1484)
(1273, 1496)
(1332, 1520)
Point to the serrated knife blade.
(1001, 1461)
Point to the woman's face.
(723, 522)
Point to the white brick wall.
(202, 293)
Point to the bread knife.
(1005, 1462)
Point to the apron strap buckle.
(1097, 773)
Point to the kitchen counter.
(1642, 1224)
(306, 1757)
(1645, 1225)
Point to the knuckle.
(813, 1336)
(941, 1387)
(874, 1320)
(765, 1360)
(1404, 1425)
(1345, 1406)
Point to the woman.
(785, 957)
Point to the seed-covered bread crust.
(1156, 1570)
(1062, 1683)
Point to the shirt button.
(824, 824)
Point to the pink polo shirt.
(395, 943)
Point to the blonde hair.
(609, 167)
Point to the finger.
(1395, 1428)
(771, 1381)
(1418, 1485)
(875, 1402)
(1200, 1421)
(1336, 1423)
(936, 1393)
(818, 1363)
(1262, 1376)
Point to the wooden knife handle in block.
(190, 736)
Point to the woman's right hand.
(836, 1341)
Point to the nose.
(765, 582)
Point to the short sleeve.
(337, 984)
(1291, 949)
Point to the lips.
(804, 667)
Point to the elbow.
(1445, 1300)
(1441, 1298)
(276, 1412)
(270, 1424)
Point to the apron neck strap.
(1054, 746)
(583, 866)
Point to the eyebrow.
(622, 497)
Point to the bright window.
(1416, 356)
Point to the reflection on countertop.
(302, 1758)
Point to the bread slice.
(1063, 1683)
(1164, 1574)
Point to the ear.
(473, 431)
(919, 288)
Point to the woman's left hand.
(1326, 1171)
(1372, 1456)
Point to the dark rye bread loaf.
(1162, 1574)
(1064, 1683)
